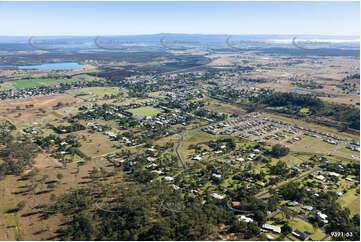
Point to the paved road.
(180, 143)
(177, 152)
(311, 143)
(292, 180)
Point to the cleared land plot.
(217, 106)
(28, 224)
(145, 111)
(351, 200)
(27, 83)
(298, 223)
(96, 144)
(91, 93)
(41, 111)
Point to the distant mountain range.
(177, 42)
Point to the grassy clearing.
(305, 141)
(297, 223)
(27, 225)
(155, 64)
(193, 137)
(27, 83)
(217, 106)
(351, 200)
(96, 144)
(234, 62)
(155, 94)
(144, 111)
(292, 159)
(304, 110)
(301, 225)
(94, 92)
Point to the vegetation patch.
(145, 111)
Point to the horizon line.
(95, 35)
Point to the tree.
(59, 176)
(20, 205)
(279, 150)
(260, 217)
(286, 229)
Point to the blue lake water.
(49, 66)
(300, 91)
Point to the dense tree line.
(348, 114)
(17, 155)
(146, 212)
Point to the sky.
(132, 18)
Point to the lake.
(49, 66)
(300, 91)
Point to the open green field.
(155, 64)
(234, 62)
(144, 111)
(93, 92)
(217, 106)
(351, 200)
(28, 83)
(292, 159)
(196, 136)
(304, 110)
(297, 223)
(250, 61)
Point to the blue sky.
(121, 18)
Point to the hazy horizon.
(149, 18)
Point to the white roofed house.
(168, 178)
(245, 219)
(323, 217)
(216, 175)
(197, 157)
(217, 196)
(334, 174)
(272, 228)
(320, 177)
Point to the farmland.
(144, 111)
(93, 93)
(188, 144)
(28, 83)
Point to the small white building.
(270, 237)
(320, 177)
(216, 175)
(334, 174)
(157, 172)
(272, 228)
(323, 217)
(197, 157)
(168, 178)
(175, 187)
(217, 196)
(245, 219)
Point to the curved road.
(177, 152)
